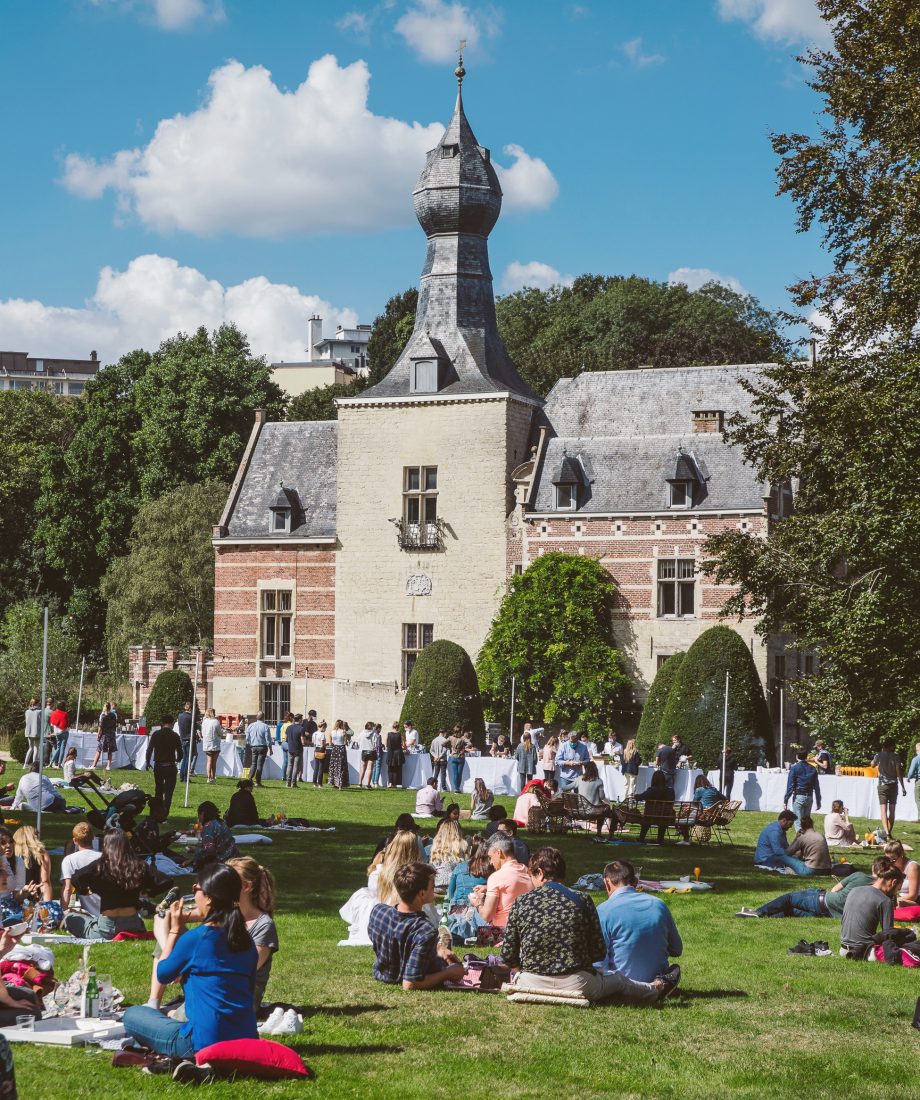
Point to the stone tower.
(425, 455)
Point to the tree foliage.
(150, 423)
(859, 177)
(841, 574)
(169, 694)
(552, 633)
(390, 333)
(21, 641)
(319, 404)
(647, 736)
(162, 591)
(443, 691)
(696, 701)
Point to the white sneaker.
(290, 1024)
(267, 1027)
(746, 912)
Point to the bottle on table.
(90, 1005)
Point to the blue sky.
(177, 162)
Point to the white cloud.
(528, 184)
(517, 275)
(633, 51)
(783, 21)
(154, 298)
(259, 161)
(433, 28)
(695, 277)
(357, 22)
(171, 15)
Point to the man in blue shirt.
(667, 759)
(913, 772)
(571, 757)
(405, 941)
(770, 853)
(802, 786)
(259, 739)
(638, 929)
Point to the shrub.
(443, 691)
(696, 700)
(172, 690)
(18, 747)
(647, 739)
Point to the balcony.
(420, 536)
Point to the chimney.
(94, 357)
(315, 335)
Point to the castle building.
(347, 546)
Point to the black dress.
(395, 758)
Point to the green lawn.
(748, 1020)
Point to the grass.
(749, 1020)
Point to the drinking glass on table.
(104, 981)
(25, 1022)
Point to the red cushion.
(256, 1057)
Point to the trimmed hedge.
(647, 739)
(696, 700)
(19, 747)
(172, 690)
(443, 692)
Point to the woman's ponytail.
(223, 886)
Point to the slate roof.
(303, 457)
(627, 428)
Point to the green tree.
(151, 422)
(162, 591)
(319, 404)
(443, 691)
(617, 322)
(390, 333)
(169, 694)
(647, 739)
(696, 701)
(35, 426)
(553, 634)
(841, 573)
(21, 640)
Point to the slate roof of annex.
(302, 456)
(629, 426)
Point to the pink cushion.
(255, 1057)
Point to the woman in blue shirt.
(705, 793)
(216, 964)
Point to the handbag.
(319, 754)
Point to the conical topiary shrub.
(443, 692)
(696, 700)
(647, 739)
(170, 693)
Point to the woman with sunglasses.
(216, 963)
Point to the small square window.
(565, 497)
(680, 495)
(518, 568)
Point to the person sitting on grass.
(811, 847)
(27, 845)
(509, 879)
(772, 844)
(82, 855)
(119, 879)
(838, 832)
(217, 842)
(910, 887)
(216, 963)
(481, 801)
(428, 802)
(405, 823)
(509, 827)
(640, 935)
(495, 814)
(867, 907)
(242, 809)
(813, 902)
(554, 935)
(405, 942)
(33, 788)
(448, 848)
(472, 872)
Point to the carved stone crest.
(418, 585)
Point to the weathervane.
(460, 72)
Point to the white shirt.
(613, 748)
(28, 788)
(82, 857)
(210, 735)
(411, 739)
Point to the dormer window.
(681, 494)
(683, 479)
(568, 477)
(449, 151)
(424, 376)
(282, 511)
(566, 498)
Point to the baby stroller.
(119, 811)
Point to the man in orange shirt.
(507, 882)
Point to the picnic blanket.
(523, 995)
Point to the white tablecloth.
(416, 769)
(85, 741)
(764, 790)
(228, 763)
(613, 782)
(499, 774)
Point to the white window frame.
(680, 494)
(420, 503)
(276, 624)
(682, 584)
(569, 503)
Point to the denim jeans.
(439, 772)
(800, 903)
(801, 807)
(293, 768)
(284, 758)
(86, 927)
(456, 773)
(259, 753)
(375, 773)
(186, 747)
(153, 1029)
(778, 862)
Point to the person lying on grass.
(554, 935)
(812, 903)
(405, 941)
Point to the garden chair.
(685, 817)
(701, 833)
(724, 818)
(580, 810)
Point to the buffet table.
(415, 773)
(613, 782)
(228, 763)
(126, 748)
(765, 788)
(500, 774)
